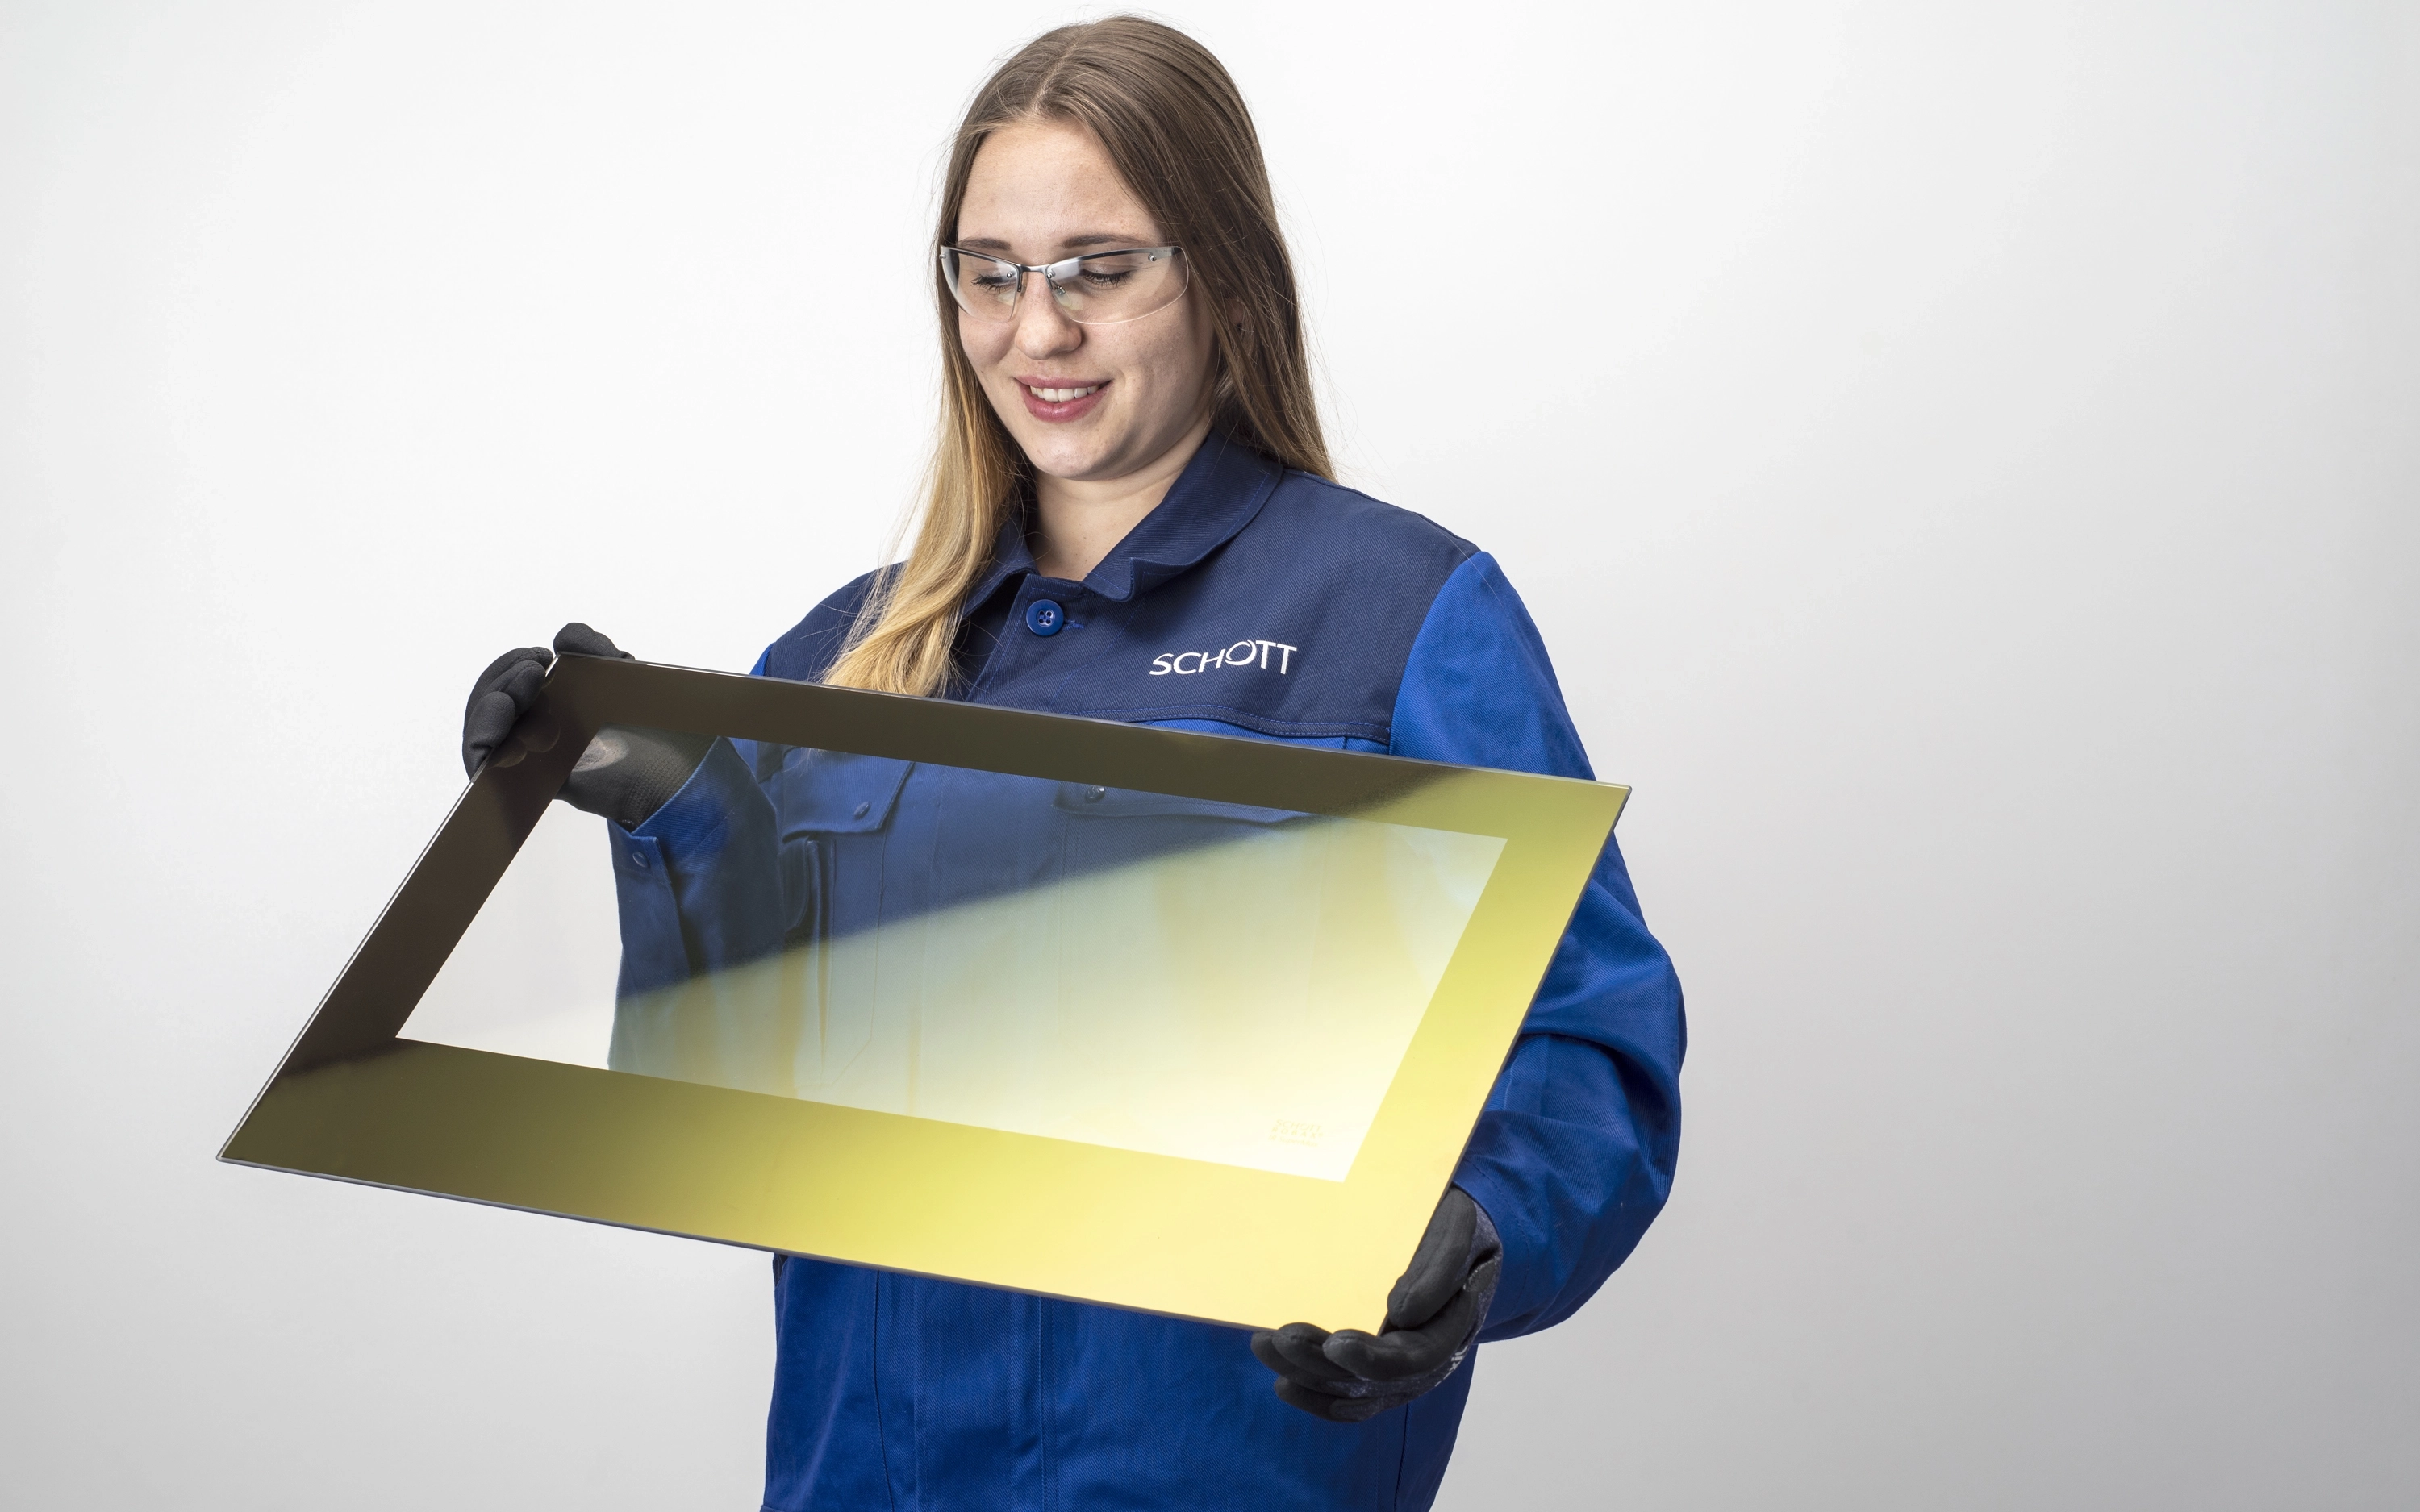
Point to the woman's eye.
(1100, 278)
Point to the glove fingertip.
(1265, 1349)
(488, 720)
(497, 668)
(579, 639)
(522, 680)
(1298, 1352)
(1317, 1404)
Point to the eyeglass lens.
(1099, 289)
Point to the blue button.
(1044, 617)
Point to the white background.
(1963, 459)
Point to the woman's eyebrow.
(1090, 240)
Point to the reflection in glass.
(1159, 974)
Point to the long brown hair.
(1175, 127)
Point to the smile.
(1058, 401)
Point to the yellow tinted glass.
(1159, 1020)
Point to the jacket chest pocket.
(835, 813)
(1111, 828)
(832, 808)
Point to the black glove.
(626, 774)
(1432, 1316)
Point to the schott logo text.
(1242, 654)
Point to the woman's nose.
(1043, 329)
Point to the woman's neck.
(1076, 521)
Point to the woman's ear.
(1236, 316)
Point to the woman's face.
(1039, 192)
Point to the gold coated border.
(1152, 1232)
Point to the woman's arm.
(1574, 1154)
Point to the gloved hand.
(1432, 1316)
(626, 774)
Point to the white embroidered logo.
(1242, 654)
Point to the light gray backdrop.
(1961, 456)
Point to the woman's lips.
(1068, 401)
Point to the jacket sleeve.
(1573, 1156)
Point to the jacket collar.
(1219, 492)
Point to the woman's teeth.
(1063, 395)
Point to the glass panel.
(533, 975)
(1159, 974)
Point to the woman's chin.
(1073, 459)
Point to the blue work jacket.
(1254, 601)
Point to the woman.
(1130, 516)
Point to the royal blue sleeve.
(1573, 1156)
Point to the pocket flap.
(835, 792)
(1127, 803)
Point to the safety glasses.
(1098, 288)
